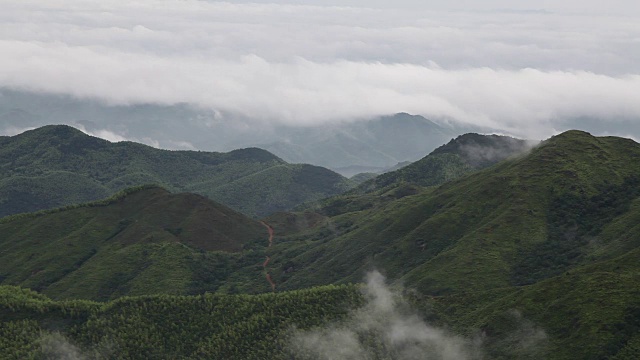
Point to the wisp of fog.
(385, 328)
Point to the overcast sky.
(516, 65)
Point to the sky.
(520, 66)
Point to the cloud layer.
(516, 70)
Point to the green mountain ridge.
(369, 143)
(460, 156)
(550, 233)
(499, 214)
(142, 241)
(58, 165)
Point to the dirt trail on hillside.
(270, 229)
(266, 261)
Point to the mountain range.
(349, 147)
(364, 146)
(533, 250)
(58, 165)
(549, 233)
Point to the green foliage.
(358, 179)
(483, 229)
(142, 240)
(434, 169)
(168, 327)
(461, 156)
(54, 166)
(562, 220)
(545, 244)
(104, 202)
(574, 220)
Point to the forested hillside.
(551, 232)
(142, 241)
(484, 226)
(165, 327)
(54, 166)
(460, 156)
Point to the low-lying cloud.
(387, 328)
(381, 330)
(305, 93)
(384, 328)
(56, 346)
(520, 71)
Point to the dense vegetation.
(478, 230)
(165, 327)
(563, 216)
(545, 244)
(141, 241)
(55, 166)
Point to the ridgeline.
(58, 165)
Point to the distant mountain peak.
(403, 116)
(484, 150)
(59, 130)
(462, 155)
(254, 153)
(573, 133)
(571, 140)
(63, 137)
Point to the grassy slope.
(146, 241)
(57, 165)
(590, 312)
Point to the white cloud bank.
(518, 71)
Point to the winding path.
(266, 261)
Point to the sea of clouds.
(517, 69)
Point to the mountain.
(349, 147)
(363, 146)
(178, 127)
(549, 234)
(142, 241)
(460, 156)
(59, 165)
(520, 208)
